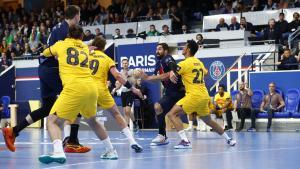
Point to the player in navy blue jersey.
(172, 92)
(51, 87)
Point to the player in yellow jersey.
(101, 65)
(79, 94)
(196, 99)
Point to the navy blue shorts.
(50, 82)
(169, 100)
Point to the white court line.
(191, 156)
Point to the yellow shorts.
(77, 96)
(195, 104)
(105, 100)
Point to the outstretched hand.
(173, 77)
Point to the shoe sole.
(136, 148)
(9, 147)
(183, 147)
(103, 158)
(48, 160)
(158, 144)
(67, 150)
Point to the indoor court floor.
(260, 150)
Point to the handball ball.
(137, 72)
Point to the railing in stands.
(7, 69)
(292, 37)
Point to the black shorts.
(169, 100)
(127, 99)
(50, 82)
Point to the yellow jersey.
(192, 72)
(73, 59)
(100, 65)
(221, 101)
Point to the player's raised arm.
(118, 76)
(140, 73)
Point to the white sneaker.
(159, 140)
(110, 155)
(183, 145)
(198, 128)
(231, 142)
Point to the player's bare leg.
(125, 129)
(100, 131)
(218, 129)
(174, 117)
(129, 115)
(55, 135)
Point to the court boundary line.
(172, 156)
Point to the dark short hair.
(281, 13)
(199, 34)
(117, 29)
(75, 32)
(130, 31)
(165, 26)
(152, 25)
(243, 17)
(222, 85)
(193, 46)
(286, 49)
(71, 11)
(124, 59)
(99, 42)
(164, 46)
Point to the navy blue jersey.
(59, 32)
(162, 67)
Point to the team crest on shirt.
(216, 70)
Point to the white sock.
(190, 124)
(198, 122)
(128, 134)
(226, 136)
(183, 135)
(58, 148)
(224, 119)
(67, 130)
(107, 144)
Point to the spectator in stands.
(176, 18)
(133, 17)
(153, 31)
(270, 5)
(240, 7)
(130, 34)
(293, 26)
(166, 30)
(223, 107)
(271, 32)
(242, 104)
(297, 4)
(3, 46)
(283, 26)
(33, 42)
(256, 6)
(27, 50)
(199, 39)
(5, 62)
(247, 26)
(288, 61)
(44, 34)
(10, 53)
(283, 4)
(88, 35)
(272, 102)
(228, 8)
(184, 29)
(8, 36)
(18, 50)
(118, 34)
(222, 26)
(234, 24)
(98, 32)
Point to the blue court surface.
(260, 150)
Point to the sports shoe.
(239, 129)
(159, 140)
(231, 142)
(251, 129)
(9, 138)
(137, 148)
(47, 159)
(183, 145)
(110, 155)
(268, 130)
(76, 148)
